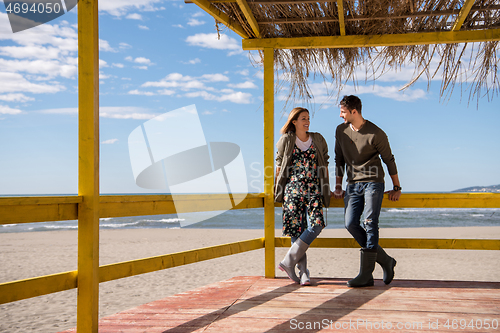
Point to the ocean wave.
(118, 225)
(53, 227)
(174, 220)
(433, 210)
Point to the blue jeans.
(365, 196)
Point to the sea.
(254, 219)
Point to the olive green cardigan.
(285, 147)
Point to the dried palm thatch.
(474, 65)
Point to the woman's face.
(302, 123)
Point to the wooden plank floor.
(256, 304)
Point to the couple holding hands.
(302, 185)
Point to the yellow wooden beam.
(435, 200)
(137, 205)
(403, 243)
(269, 162)
(42, 209)
(38, 213)
(88, 167)
(340, 8)
(464, 11)
(221, 17)
(38, 286)
(245, 8)
(147, 265)
(421, 38)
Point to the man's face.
(345, 114)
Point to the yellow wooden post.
(88, 166)
(269, 161)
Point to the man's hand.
(394, 195)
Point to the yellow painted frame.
(40, 209)
(88, 206)
(88, 166)
(43, 285)
(350, 41)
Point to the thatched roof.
(474, 64)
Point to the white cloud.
(143, 27)
(198, 14)
(244, 85)
(134, 16)
(125, 46)
(215, 77)
(39, 54)
(30, 52)
(105, 47)
(142, 60)
(243, 72)
(117, 65)
(193, 61)
(122, 7)
(115, 112)
(15, 98)
(109, 142)
(49, 68)
(178, 26)
(322, 93)
(73, 111)
(236, 97)
(137, 92)
(194, 22)
(211, 41)
(14, 82)
(129, 112)
(7, 110)
(103, 76)
(195, 87)
(166, 92)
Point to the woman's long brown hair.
(294, 115)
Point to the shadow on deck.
(256, 304)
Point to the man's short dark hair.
(351, 102)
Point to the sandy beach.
(25, 255)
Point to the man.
(359, 144)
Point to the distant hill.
(492, 188)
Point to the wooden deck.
(256, 304)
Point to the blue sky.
(157, 56)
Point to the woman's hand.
(338, 193)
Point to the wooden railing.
(41, 209)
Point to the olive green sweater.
(361, 151)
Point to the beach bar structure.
(269, 26)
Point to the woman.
(302, 185)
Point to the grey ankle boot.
(367, 265)
(297, 250)
(304, 277)
(388, 263)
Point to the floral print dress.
(302, 193)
